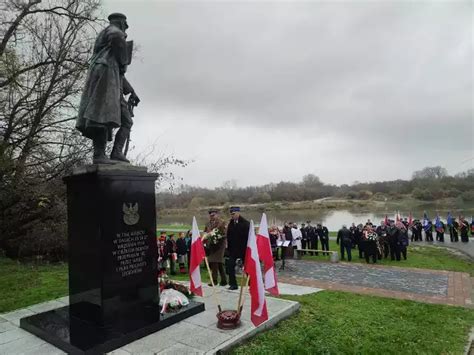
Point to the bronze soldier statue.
(103, 106)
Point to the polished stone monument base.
(113, 264)
(76, 336)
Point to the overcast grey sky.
(262, 92)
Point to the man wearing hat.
(103, 106)
(237, 235)
(216, 251)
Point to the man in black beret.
(237, 235)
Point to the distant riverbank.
(405, 205)
(329, 211)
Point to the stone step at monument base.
(76, 336)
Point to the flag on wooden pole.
(197, 256)
(265, 253)
(258, 305)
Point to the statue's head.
(119, 20)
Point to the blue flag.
(425, 219)
(449, 220)
(438, 224)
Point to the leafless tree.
(44, 50)
(45, 46)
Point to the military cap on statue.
(116, 16)
(234, 209)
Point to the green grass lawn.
(328, 322)
(331, 322)
(424, 257)
(22, 285)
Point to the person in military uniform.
(455, 228)
(237, 236)
(345, 241)
(103, 106)
(216, 251)
(304, 239)
(402, 239)
(323, 234)
(312, 237)
(428, 228)
(392, 233)
(383, 242)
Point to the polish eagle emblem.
(130, 213)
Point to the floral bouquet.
(213, 237)
(372, 236)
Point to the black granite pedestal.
(113, 285)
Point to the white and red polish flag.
(265, 253)
(258, 304)
(197, 256)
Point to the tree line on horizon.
(427, 184)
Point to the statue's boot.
(99, 143)
(117, 151)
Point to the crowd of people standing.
(373, 242)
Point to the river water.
(333, 219)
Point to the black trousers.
(440, 237)
(304, 245)
(325, 245)
(313, 245)
(429, 237)
(231, 271)
(347, 247)
(361, 247)
(394, 251)
(374, 258)
(386, 250)
(283, 257)
(403, 250)
(456, 236)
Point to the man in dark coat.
(428, 231)
(323, 234)
(455, 231)
(313, 238)
(288, 250)
(344, 237)
(383, 242)
(237, 235)
(403, 240)
(358, 237)
(392, 234)
(102, 105)
(304, 238)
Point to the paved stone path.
(466, 248)
(195, 335)
(431, 286)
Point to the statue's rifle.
(131, 103)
